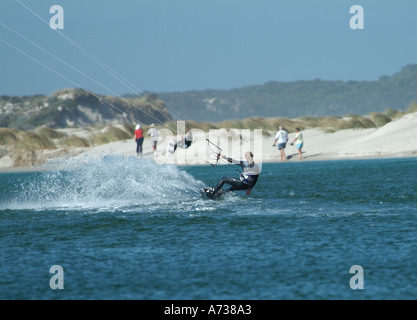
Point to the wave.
(109, 181)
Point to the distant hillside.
(77, 107)
(315, 98)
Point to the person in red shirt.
(139, 139)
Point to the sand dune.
(396, 139)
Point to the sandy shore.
(396, 139)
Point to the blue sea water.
(127, 228)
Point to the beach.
(394, 140)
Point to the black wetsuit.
(247, 179)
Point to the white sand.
(396, 139)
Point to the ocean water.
(127, 228)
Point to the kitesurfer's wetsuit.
(247, 179)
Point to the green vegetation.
(49, 133)
(47, 138)
(44, 138)
(77, 107)
(274, 99)
(26, 140)
(74, 141)
(412, 108)
(23, 146)
(328, 124)
(312, 98)
(380, 119)
(8, 136)
(116, 134)
(110, 134)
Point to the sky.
(131, 46)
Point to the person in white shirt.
(153, 133)
(282, 139)
(186, 141)
(299, 142)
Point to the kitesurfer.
(246, 181)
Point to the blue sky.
(181, 45)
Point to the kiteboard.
(208, 192)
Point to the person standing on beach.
(139, 139)
(153, 133)
(188, 138)
(185, 141)
(299, 141)
(282, 139)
